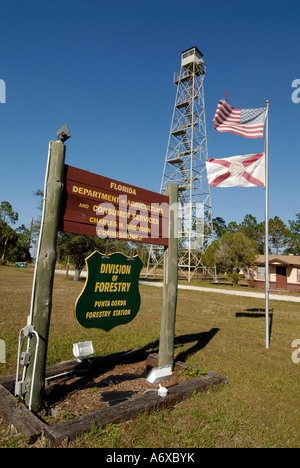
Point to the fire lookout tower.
(185, 165)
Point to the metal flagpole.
(267, 284)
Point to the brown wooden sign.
(103, 207)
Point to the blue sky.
(106, 69)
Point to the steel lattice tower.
(185, 163)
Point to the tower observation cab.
(191, 56)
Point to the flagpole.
(267, 284)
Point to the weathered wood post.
(42, 296)
(167, 327)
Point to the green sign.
(110, 296)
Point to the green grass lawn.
(258, 407)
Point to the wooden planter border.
(15, 413)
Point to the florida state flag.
(237, 171)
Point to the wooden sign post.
(45, 267)
(167, 327)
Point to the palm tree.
(7, 235)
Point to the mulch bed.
(112, 390)
(71, 396)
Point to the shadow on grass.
(257, 313)
(202, 339)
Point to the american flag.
(245, 122)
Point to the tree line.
(14, 243)
(283, 239)
(235, 246)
